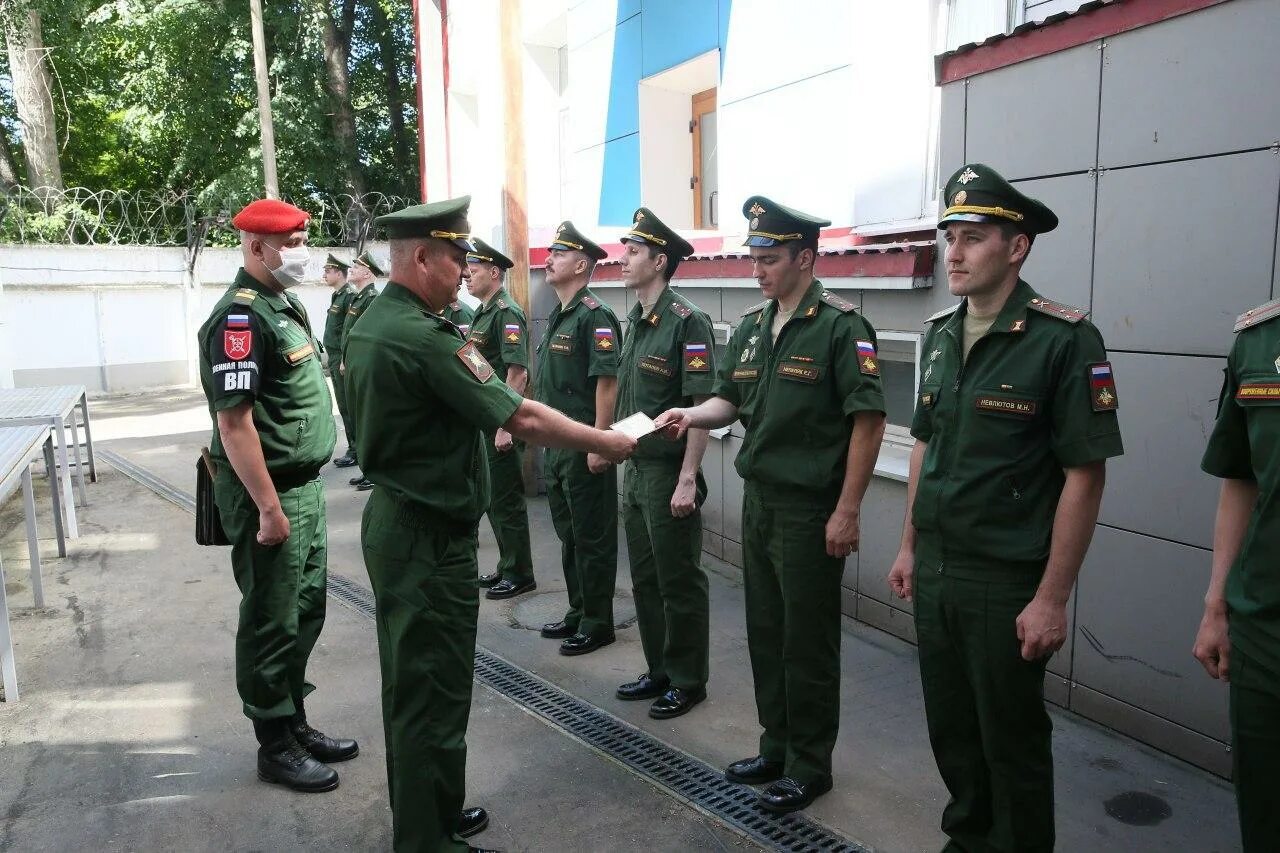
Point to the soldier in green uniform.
(422, 398)
(1015, 419)
(335, 275)
(365, 272)
(668, 360)
(801, 374)
(1239, 636)
(500, 333)
(460, 315)
(273, 430)
(578, 374)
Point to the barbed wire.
(80, 216)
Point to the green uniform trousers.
(508, 515)
(584, 512)
(340, 395)
(670, 586)
(984, 705)
(1255, 750)
(423, 573)
(793, 627)
(282, 594)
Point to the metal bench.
(55, 406)
(19, 447)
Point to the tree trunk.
(338, 85)
(8, 166)
(33, 94)
(400, 155)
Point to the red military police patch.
(237, 345)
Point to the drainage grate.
(687, 778)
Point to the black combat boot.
(321, 746)
(283, 761)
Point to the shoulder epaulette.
(591, 302)
(502, 303)
(454, 306)
(1057, 309)
(244, 296)
(756, 309)
(681, 311)
(844, 306)
(945, 312)
(1254, 316)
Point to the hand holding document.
(635, 426)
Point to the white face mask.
(293, 265)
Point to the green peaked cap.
(978, 193)
(770, 223)
(446, 220)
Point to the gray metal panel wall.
(883, 511)
(1199, 84)
(951, 130)
(1036, 118)
(1135, 624)
(1060, 265)
(1167, 407)
(1167, 281)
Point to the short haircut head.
(673, 261)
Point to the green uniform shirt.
(336, 319)
(461, 316)
(1035, 396)
(359, 304)
(500, 333)
(581, 344)
(668, 357)
(1245, 445)
(420, 395)
(256, 347)
(797, 397)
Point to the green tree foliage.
(158, 96)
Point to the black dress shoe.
(345, 461)
(558, 630)
(675, 702)
(509, 589)
(321, 746)
(355, 481)
(285, 762)
(489, 580)
(644, 687)
(473, 822)
(364, 485)
(787, 795)
(581, 644)
(753, 771)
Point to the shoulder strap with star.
(1057, 309)
(844, 306)
(944, 313)
(684, 312)
(1254, 316)
(591, 302)
(756, 309)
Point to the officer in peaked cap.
(273, 430)
(365, 271)
(335, 275)
(1014, 422)
(578, 374)
(802, 375)
(501, 333)
(668, 360)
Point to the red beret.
(270, 216)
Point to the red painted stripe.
(1068, 33)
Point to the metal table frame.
(19, 447)
(55, 405)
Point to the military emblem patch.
(867, 362)
(511, 333)
(756, 209)
(695, 358)
(967, 175)
(960, 198)
(237, 344)
(474, 361)
(604, 339)
(1102, 387)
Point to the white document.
(636, 426)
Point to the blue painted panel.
(676, 31)
(620, 181)
(726, 10)
(624, 81)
